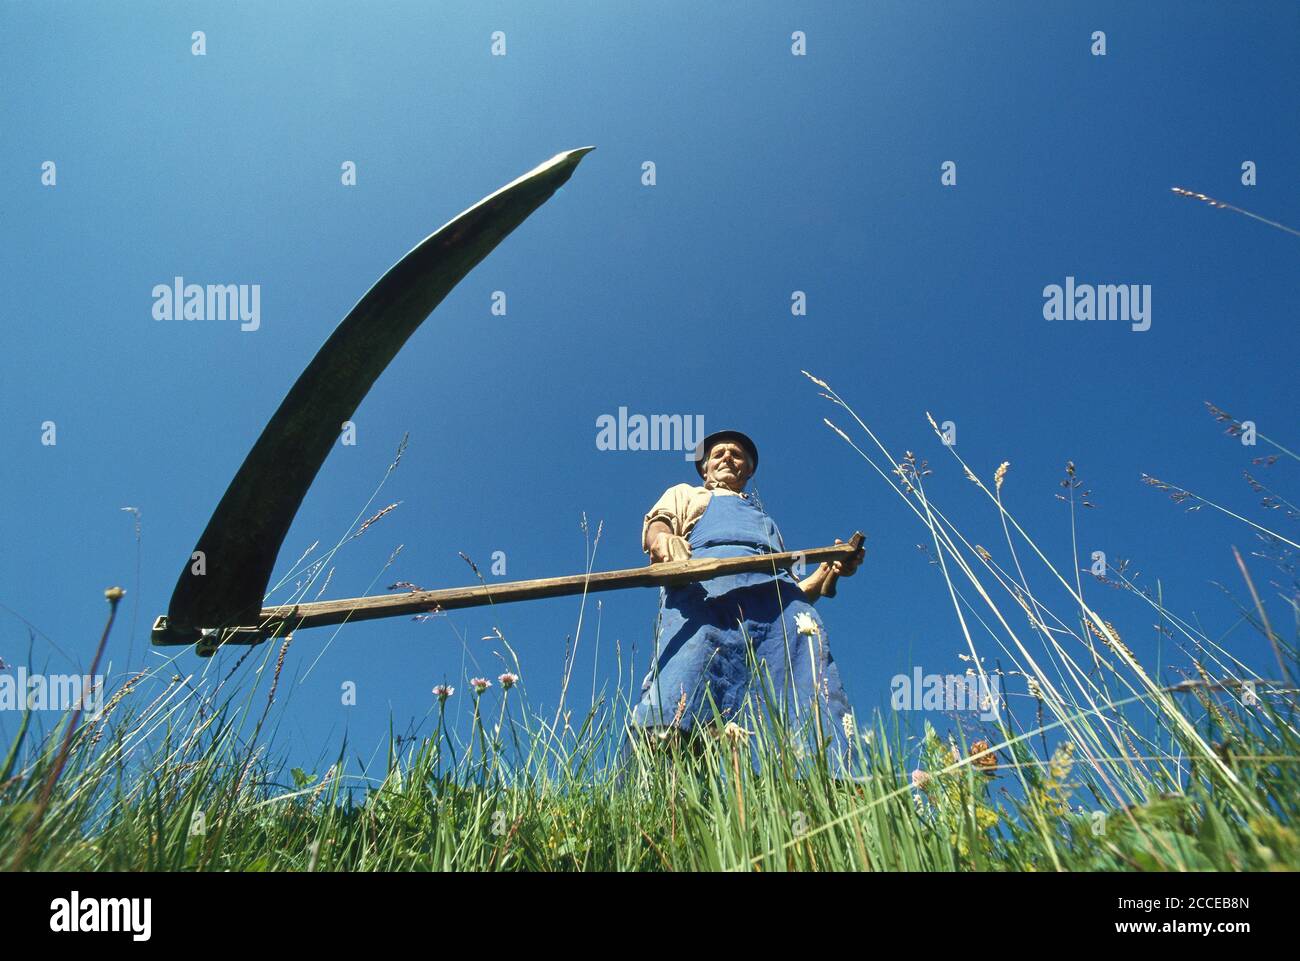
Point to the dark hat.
(702, 452)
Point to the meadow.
(1096, 765)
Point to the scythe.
(239, 546)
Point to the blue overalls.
(710, 630)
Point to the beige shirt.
(681, 507)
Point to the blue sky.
(775, 173)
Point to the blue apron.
(710, 631)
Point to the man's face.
(728, 466)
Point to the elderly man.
(728, 643)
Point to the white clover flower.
(734, 733)
(804, 623)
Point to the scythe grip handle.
(828, 585)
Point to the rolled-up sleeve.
(672, 509)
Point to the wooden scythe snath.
(239, 546)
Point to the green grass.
(1092, 765)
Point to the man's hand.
(663, 545)
(667, 546)
(846, 568)
(815, 584)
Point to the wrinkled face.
(728, 465)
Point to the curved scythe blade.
(243, 538)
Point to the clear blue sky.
(775, 173)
